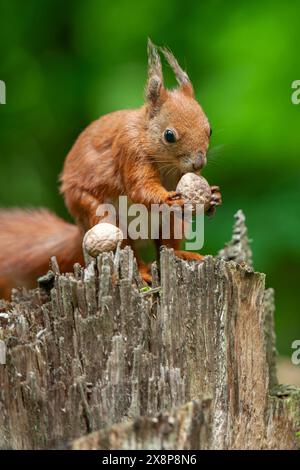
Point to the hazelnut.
(194, 190)
(102, 237)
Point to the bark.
(188, 363)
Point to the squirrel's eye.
(169, 136)
(210, 132)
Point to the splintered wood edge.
(189, 427)
(186, 428)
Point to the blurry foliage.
(66, 63)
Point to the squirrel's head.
(178, 131)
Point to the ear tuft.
(155, 91)
(154, 63)
(181, 76)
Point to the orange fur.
(28, 239)
(122, 153)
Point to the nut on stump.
(102, 237)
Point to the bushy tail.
(28, 239)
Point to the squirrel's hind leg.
(189, 255)
(176, 243)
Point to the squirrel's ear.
(155, 91)
(181, 76)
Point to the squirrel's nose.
(199, 162)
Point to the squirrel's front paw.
(215, 200)
(174, 198)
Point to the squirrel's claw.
(215, 200)
(216, 195)
(174, 198)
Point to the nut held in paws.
(100, 238)
(195, 190)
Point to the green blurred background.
(66, 63)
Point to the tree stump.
(95, 360)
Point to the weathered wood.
(101, 353)
(187, 428)
(238, 249)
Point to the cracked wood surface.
(190, 364)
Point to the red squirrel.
(128, 152)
